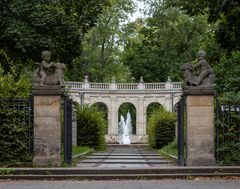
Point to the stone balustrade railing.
(124, 86)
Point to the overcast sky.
(138, 13)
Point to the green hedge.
(14, 139)
(161, 128)
(228, 149)
(91, 127)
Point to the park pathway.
(125, 156)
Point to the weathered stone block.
(200, 100)
(47, 130)
(200, 110)
(200, 131)
(200, 121)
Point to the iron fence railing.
(67, 130)
(227, 127)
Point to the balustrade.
(127, 86)
(154, 86)
(123, 86)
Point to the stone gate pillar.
(200, 126)
(47, 125)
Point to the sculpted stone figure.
(43, 75)
(206, 76)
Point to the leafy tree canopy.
(166, 40)
(103, 45)
(225, 12)
(29, 26)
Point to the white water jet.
(125, 129)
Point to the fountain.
(125, 129)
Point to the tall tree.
(224, 12)
(29, 26)
(168, 38)
(102, 46)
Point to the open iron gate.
(67, 130)
(181, 112)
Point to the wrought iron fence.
(67, 130)
(181, 112)
(227, 132)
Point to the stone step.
(117, 176)
(123, 162)
(122, 154)
(124, 157)
(117, 171)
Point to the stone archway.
(123, 110)
(101, 106)
(113, 95)
(153, 106)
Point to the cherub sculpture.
(43, 75)
(206, 77)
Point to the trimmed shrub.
(161, 128)
(91, 127)
(14, 136)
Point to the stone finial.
(141, 80)
(169, 80)
(113, 80)
(85, 79)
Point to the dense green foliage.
(154, 106)
(28, 27)
(12, 85)
(164, 41)
(161, 128)
(225, 12)
(91, 127)
(102, 108)
(228, 123)
(14, 139)
(100, 59)
(228, 73)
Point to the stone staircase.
(122, 162)
(125, 156)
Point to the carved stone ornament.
(48, 73)
(206, 77)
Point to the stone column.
(114, 117)
(200, 127)
(140, 117)
(47, 125)
(168, 102)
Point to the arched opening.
(153, 107)
(123, 111)
(100, 106)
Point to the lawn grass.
(80, 149)
(171, 148)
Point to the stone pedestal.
(200, 127)
(47, 125)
